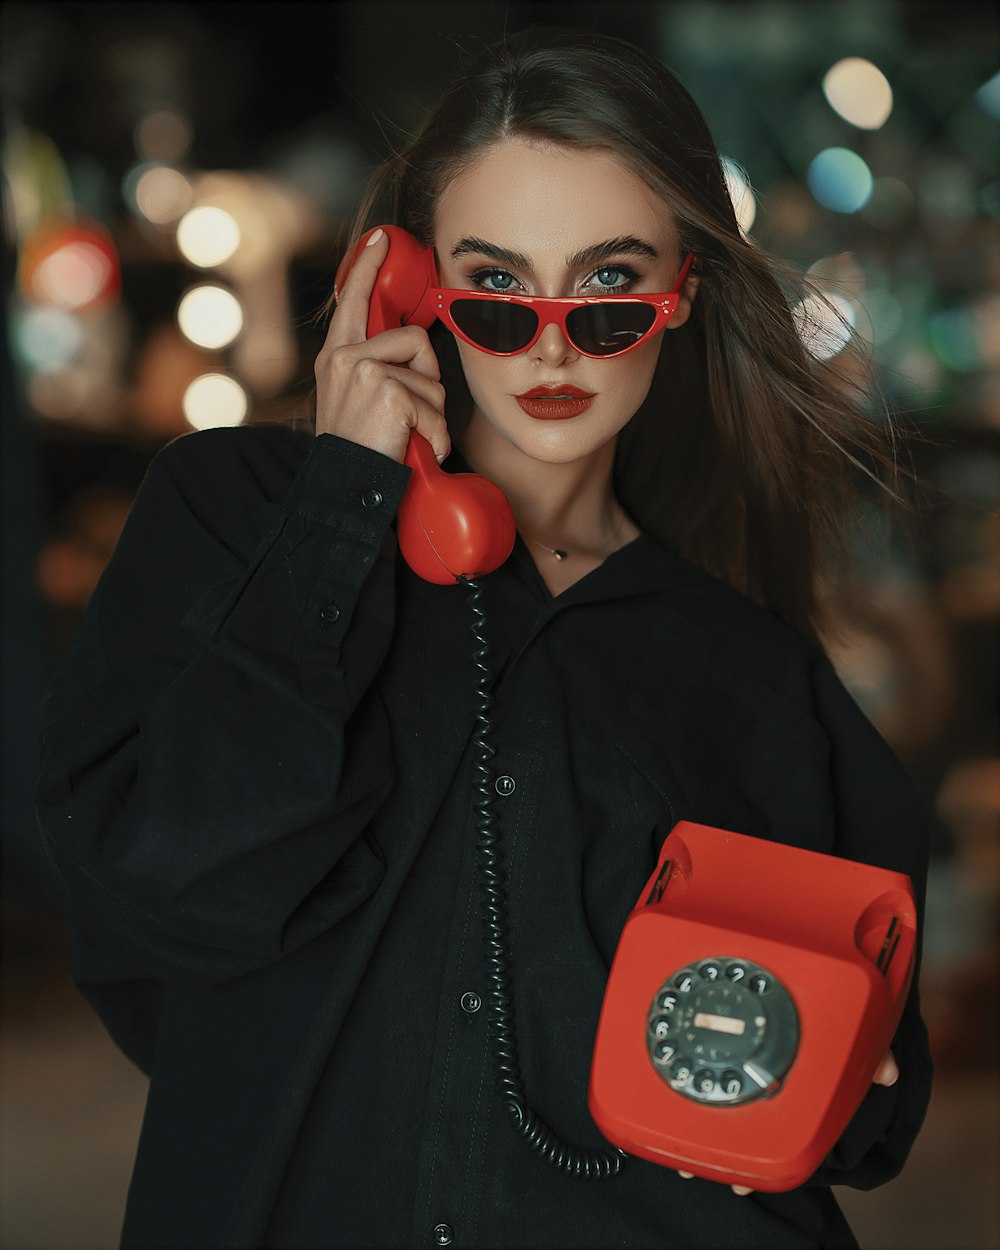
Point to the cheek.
(484, 374)
(633, 374)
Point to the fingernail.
(375, 237)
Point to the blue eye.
(602, 281)
(625, 275)
(504, 280)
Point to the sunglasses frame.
(554, 311)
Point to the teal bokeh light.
(955, 339)
(840, 180)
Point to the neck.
(568, 505)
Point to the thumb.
(887, 1072)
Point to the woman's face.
(546, 204)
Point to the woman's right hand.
(375, 391)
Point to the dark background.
(311, 97)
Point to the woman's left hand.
(887, 1073)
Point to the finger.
(433, 427)
(425, 388)
(405, 410)
(349, 323)
(887, 1072)
(406, 345)
(688, 1176)
(742, 1190)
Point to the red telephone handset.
(449, 524)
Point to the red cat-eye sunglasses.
(596, 326)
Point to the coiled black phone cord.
(587, 1164)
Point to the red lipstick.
(552, 403)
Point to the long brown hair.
(747, 449)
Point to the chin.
(554, 442)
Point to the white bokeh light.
(859, 92)
(822, 332)
(741, 193)
(214, 399)
(207, 236)
(210, 316)
(162, 194)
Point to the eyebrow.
(623, 245)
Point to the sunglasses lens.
(604, 329)
(495, 325)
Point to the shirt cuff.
(348, 486)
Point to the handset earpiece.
(450, 525)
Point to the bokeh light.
(74, 276)
(69, 568)
(883, 316)
(161, 194)
(37, 176)
(47, 338)
(207, 236)
(214, 399)
(164, 135)
(891, 204)
(859, 92)
(69, 265)
(988, 97)
(953, 336)
(823, 332)
(946, 189)
(840, 180)
(741, 193)
(210, 316)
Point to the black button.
(505, 786)
(373, 499)
(443, 1236)
(471, 1002)
(328, 613)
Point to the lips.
(555, 392)
(554, 403)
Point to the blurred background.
(174, 180)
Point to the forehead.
(549, 201)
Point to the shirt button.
(505, 786)
(471, 1002)
(328, 613)
(443, 1236)
(373, 499)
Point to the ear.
(688, 291)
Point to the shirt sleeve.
(879, 821)
(209, 760)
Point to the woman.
(260, 769)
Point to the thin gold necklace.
(559, 553)
(556, 551)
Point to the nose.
(553, 347)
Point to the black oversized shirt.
(258, 788)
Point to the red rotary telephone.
(753, 993)
(449, 524)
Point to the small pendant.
(560, 555)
